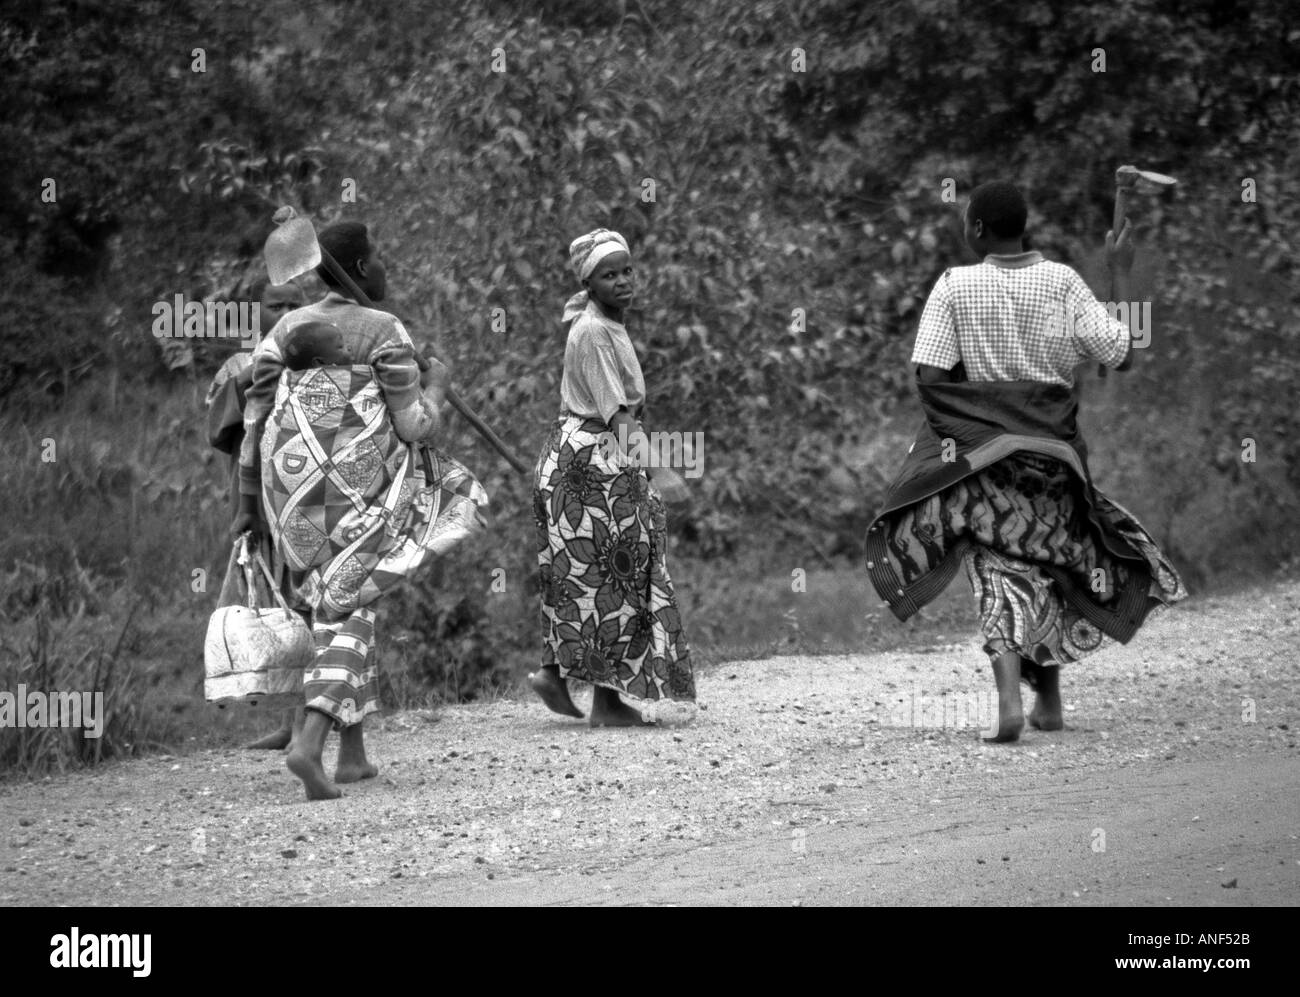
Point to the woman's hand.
(435, 376)
(435, 382)
(249, 519)
(672, 489)
(1120, 249)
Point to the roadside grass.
(115, 549)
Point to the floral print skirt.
(609, 616)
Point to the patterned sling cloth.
(1019, 516)
(609, 616)
(354, 511)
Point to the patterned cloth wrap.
(354, 511)
(1059, 570)
(609, 615)
(1020, 514)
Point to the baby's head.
(315, 344)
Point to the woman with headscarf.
(609, 616)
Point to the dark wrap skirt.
(998, 482)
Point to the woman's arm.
(1120, 252)
(414, 413)
(259, 399)
(1121, 290)
(625, 427)
(668, 482)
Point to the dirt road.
(827, 780)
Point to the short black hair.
(347, 242)
(1001, 207)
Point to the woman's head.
(995, 218)
(349, 243)
(601, 260)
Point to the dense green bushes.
(796, 225)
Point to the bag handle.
(242, 557)
(248, 561)
(270, 582)
(399, 479)
(229, 594)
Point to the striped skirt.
(609, 616)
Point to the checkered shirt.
(1017, 318)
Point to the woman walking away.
(998, 476)
(225, 403)
(609, 616)
(356, 499)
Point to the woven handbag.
(255, 654)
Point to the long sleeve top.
(374, 338)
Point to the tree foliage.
(796, 225)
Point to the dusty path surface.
(803, 780)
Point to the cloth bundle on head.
(585, 253)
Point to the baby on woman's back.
(321, 344)
(316, 344)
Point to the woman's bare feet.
(607, 710)
(296, 722)
(353, 766)
(1011, 711)
(304, 759)
(1046, 714)
(289, 729)
(274, 741)
(554, 691)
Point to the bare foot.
(554, 692)
(295, 720)
(1041, 719)
(312, 773)
(1046, 714)
(353, 766)
(1008, 728)
(272, 742)
(1011, 712)
(345, 772)
(607, 710)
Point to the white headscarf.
(588, 250)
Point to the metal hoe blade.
(1130, 178)
(1153, 183)
(291, 249)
